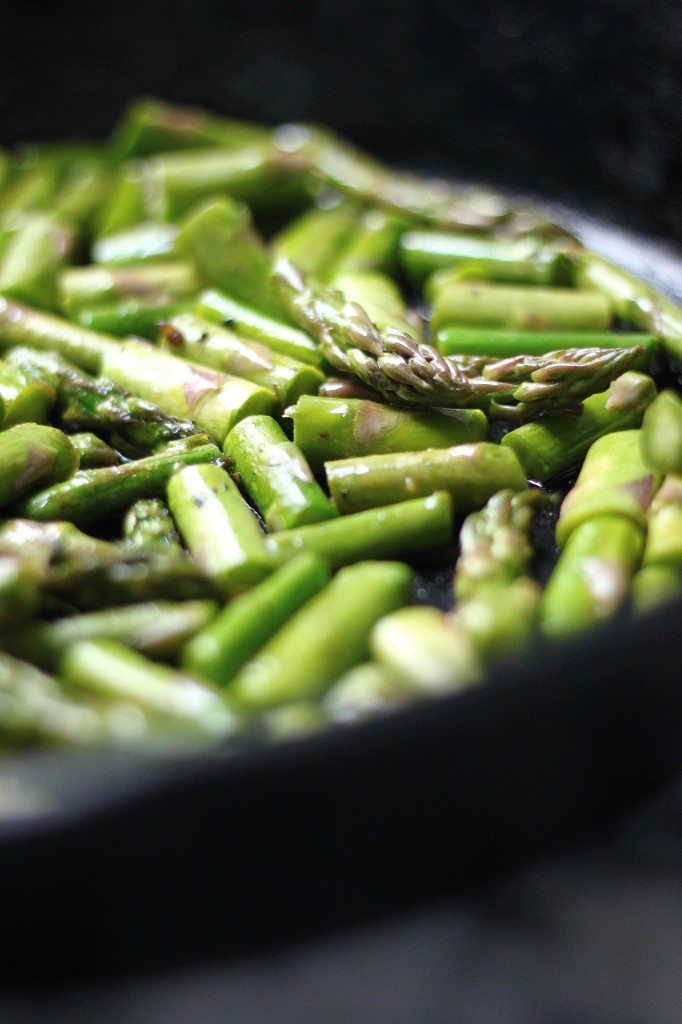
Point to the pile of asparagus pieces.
(248, 378)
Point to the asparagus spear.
(148, 241)
(470, 473)
(158, 629)
(219, 650)
(93, 453)
(193, 337)
(151, 282)
(553, 445)
(19, 590)
(141, 318)
(83, 403)
(661, 434)
(32, 258)
(664, 525)
(501, 619)
(528, 260)
(31, 456)
(590, 582)
(148, 522)
(324, 638)
(93, 494)
(249, 323)
(372, 245)
(427, 648)
(614, 480)
(503, 343)
(326, 429)
(380, 297)
(493, 305)
(220, 241)
(314, 240)
(108, 668)
(275, 473)
(632, 300)
(22, 325)
(23, 400)
(220, 530)
(655, 584)
(401, 530)
(494, 543)
(213, 401)
(405, 371)
(366, 690)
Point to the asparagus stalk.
(661, 434)
(249, 323)
(529, 260)
(276, 475)
(590, 582)
(31, 456)
(148, 522)
(22, 325)
(23, 400)
(493, 305)
(19, 590)
(219, 650)
(505, 343)
(470, 473)
(664, 525)
(380, 297)
(326, 429)
(373, 244)
(32, 258)
(141, 318)
(314, 240)
(553, 445)
(93, 453)
(150, 282)
(193, 337)
(398, 531)
(632, 300)
(614, 480)
(108, 668)
(213, 401)
(403, 370)
(99, 405)
(501, 619)
(655, 584)
(128, 201)
(427, 649)
(149, 241)
(158, 629)
(494, 543)
(364, 691)
(93, 494)
(220, 241)
(324, 638)
(220, 530)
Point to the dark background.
(433, 815)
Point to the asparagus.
(148, 241)
(130, 423)
(249, 323)
(372, 245)
(632, 300)
(81, 194)
(220, 530)
(501, 619)
(127, 203)
(213, 401)
(219, 650)
(150, 126)
(614, 480)
(324, 638)
(158, 629)
(223, 246)
(151, 283)
(664, 525)
(31, 456)
(19, 590)
(503, 343)
(470, 473)
(23, 400)
(130, 317)
(380, 297)
(426, 648)
(276, 475)
(590, 582)
(364, 691)
(655, 584)
(108, 668)
(405, 371)
(494, 543)
(32, 258)
(493, 305)
(22, 325)
(314, 240)
(551, 446)
(661, 434)
(193, 337)
(407, 528)
(93, 453)
(529, 260)
(148, 522)
(326, 428)
(93, 494)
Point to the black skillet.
(113, 864)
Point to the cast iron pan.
(113, 864)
